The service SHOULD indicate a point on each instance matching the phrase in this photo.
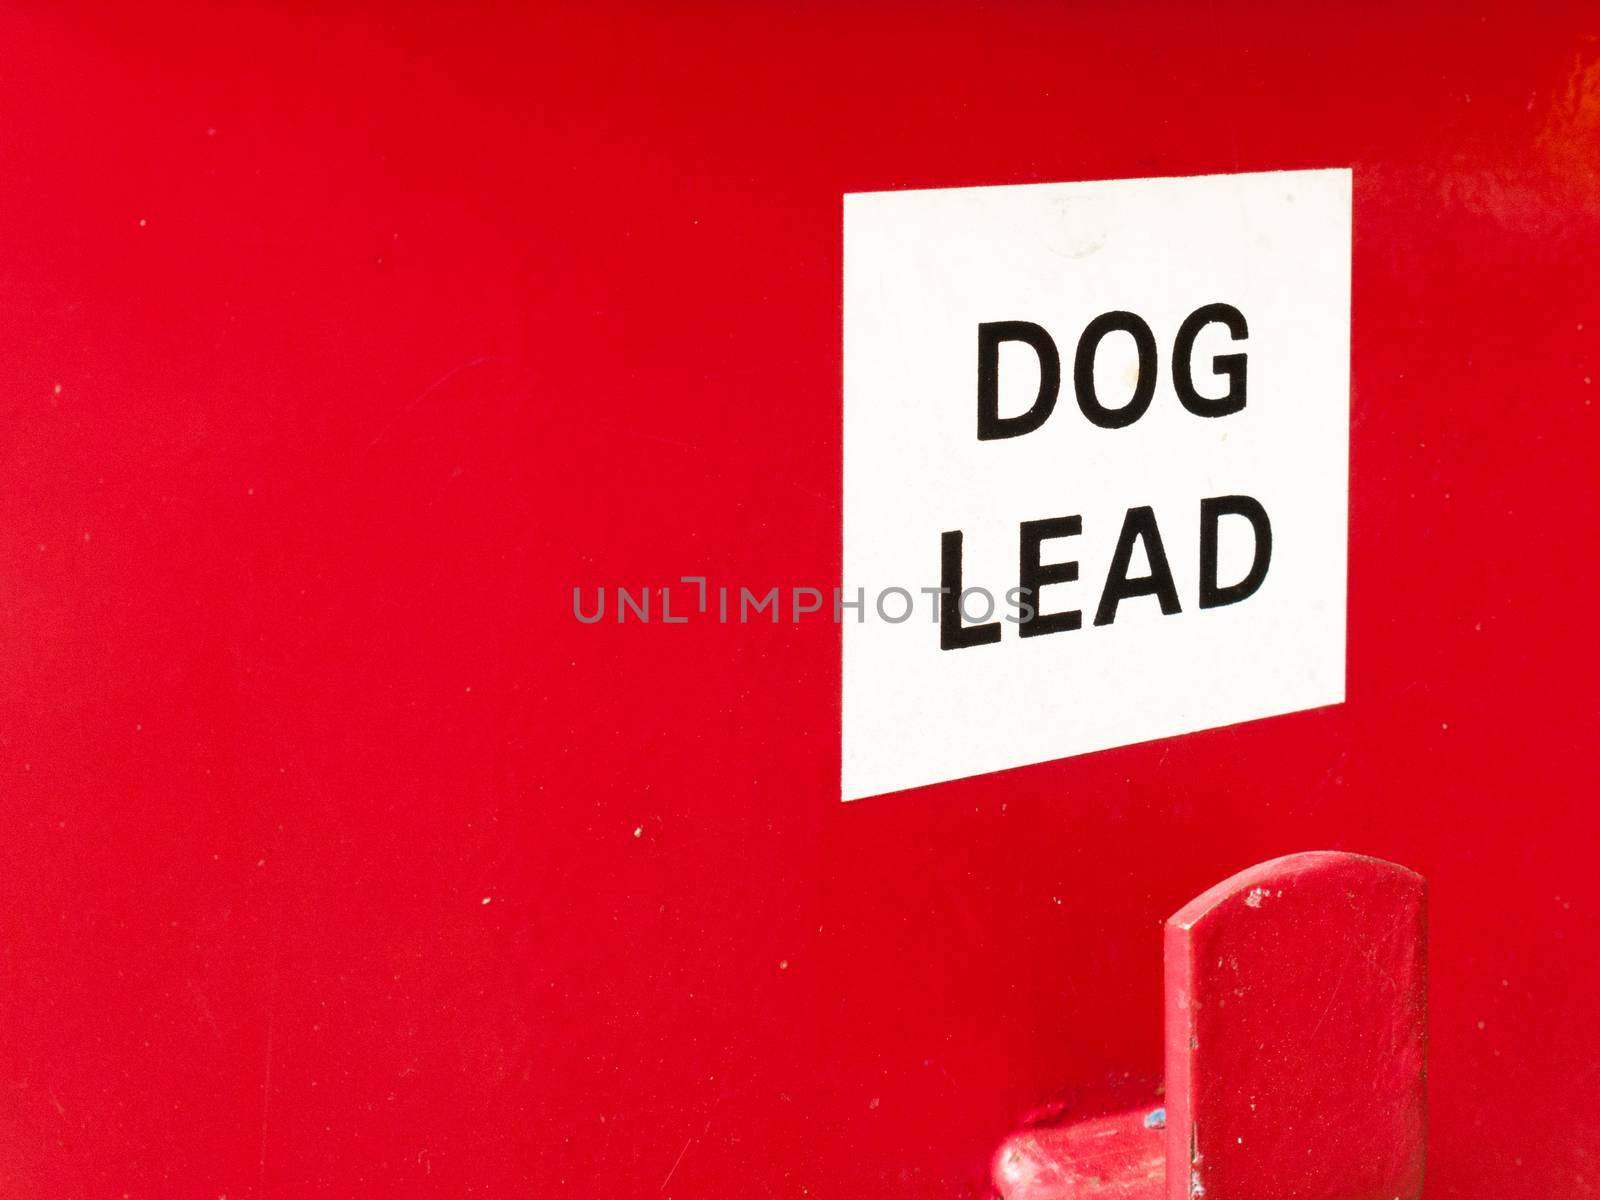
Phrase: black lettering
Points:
(1033, 576)
(1083, 369)
(991, 425)
(1140, 523)
(953, 634)
(1231, 365)
(1211, 513)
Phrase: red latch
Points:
(1296, 1038)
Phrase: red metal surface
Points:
(1121, 1156)
(1296, 1035)
(337, 344)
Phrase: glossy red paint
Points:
(1121, 1156)
(1296, 1044)
(338, 343)
(1296, 1033)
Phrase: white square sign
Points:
(1096, 441)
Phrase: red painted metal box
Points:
(339, 343)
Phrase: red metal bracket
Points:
(1296, 1037)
